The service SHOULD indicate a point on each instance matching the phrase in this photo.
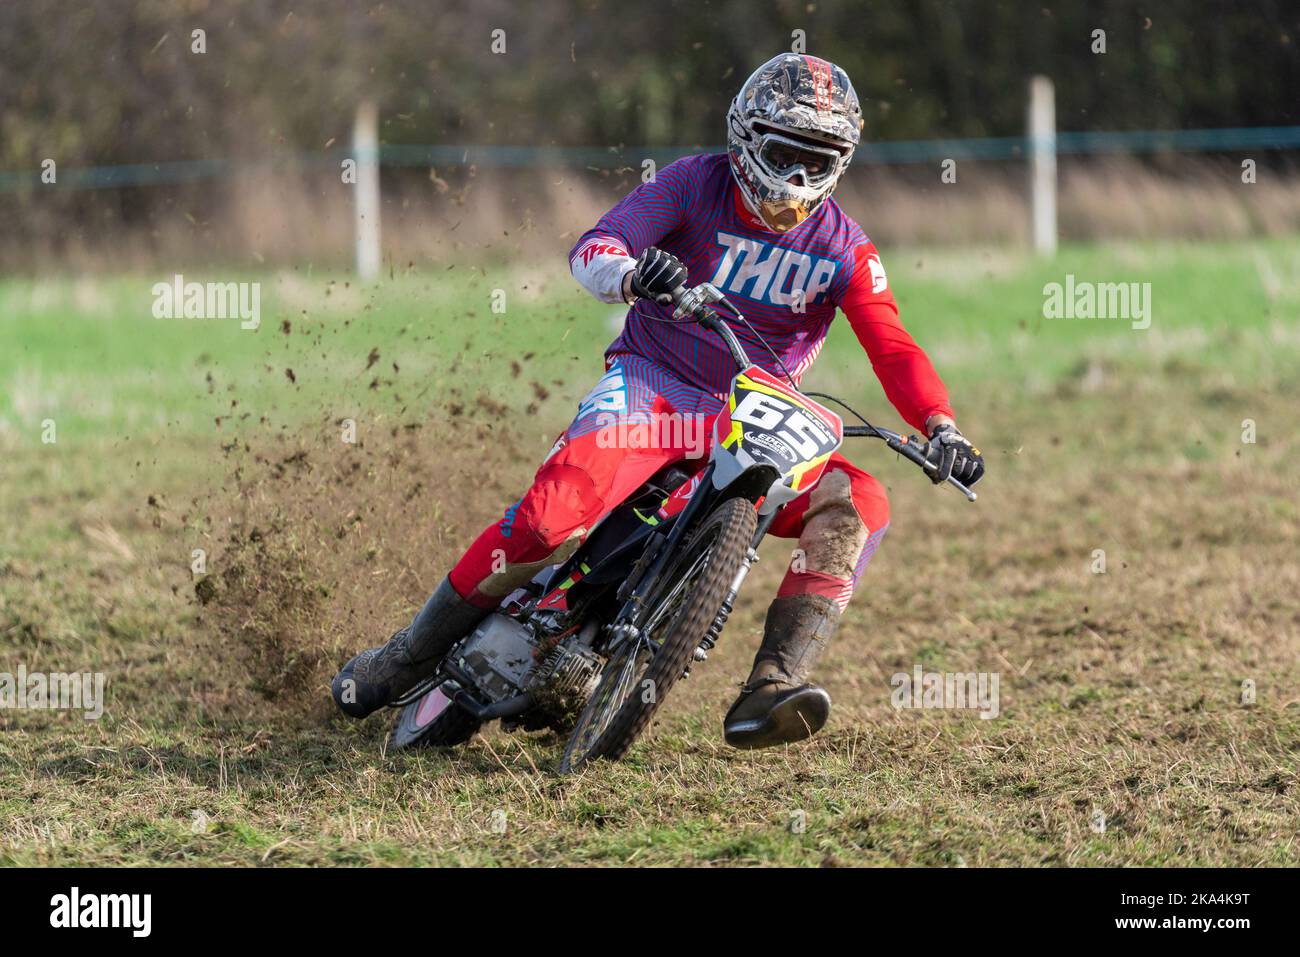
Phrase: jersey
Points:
(788, 286)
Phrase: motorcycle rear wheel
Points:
(449, 727)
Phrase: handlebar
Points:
(909, 447)
(697, 304)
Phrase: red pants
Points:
(586, 476)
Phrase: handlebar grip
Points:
(912, 452)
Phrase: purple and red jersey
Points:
(788, 285)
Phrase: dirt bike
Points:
(592, 645)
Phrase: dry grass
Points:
(1121, 693)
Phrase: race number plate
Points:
(768, 422)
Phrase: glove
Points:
(952, 454)
(656, 275)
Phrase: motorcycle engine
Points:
(502, 658)
(569, 670)
(499, 656)
(563, 681)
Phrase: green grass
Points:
(89, 353)
(1120, 692)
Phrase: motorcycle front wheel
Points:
(642, 669)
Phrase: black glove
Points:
(952, 454)
(656, 275)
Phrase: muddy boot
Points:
(777, 705)
(379, 676)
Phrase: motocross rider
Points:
(757, 221)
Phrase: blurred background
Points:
(504, 127)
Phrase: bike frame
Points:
(753, 481)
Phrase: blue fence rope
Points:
(895, 152)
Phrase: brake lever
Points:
(694, 303)
(909, 448)
(690, 303)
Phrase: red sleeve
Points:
(902, 367)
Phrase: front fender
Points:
(751, 484)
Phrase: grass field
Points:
(1121, 692)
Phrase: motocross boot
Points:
(379, 676)
(778, 705)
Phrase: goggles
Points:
(785, 156)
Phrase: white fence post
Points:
(1042, 163)
(365, 150)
